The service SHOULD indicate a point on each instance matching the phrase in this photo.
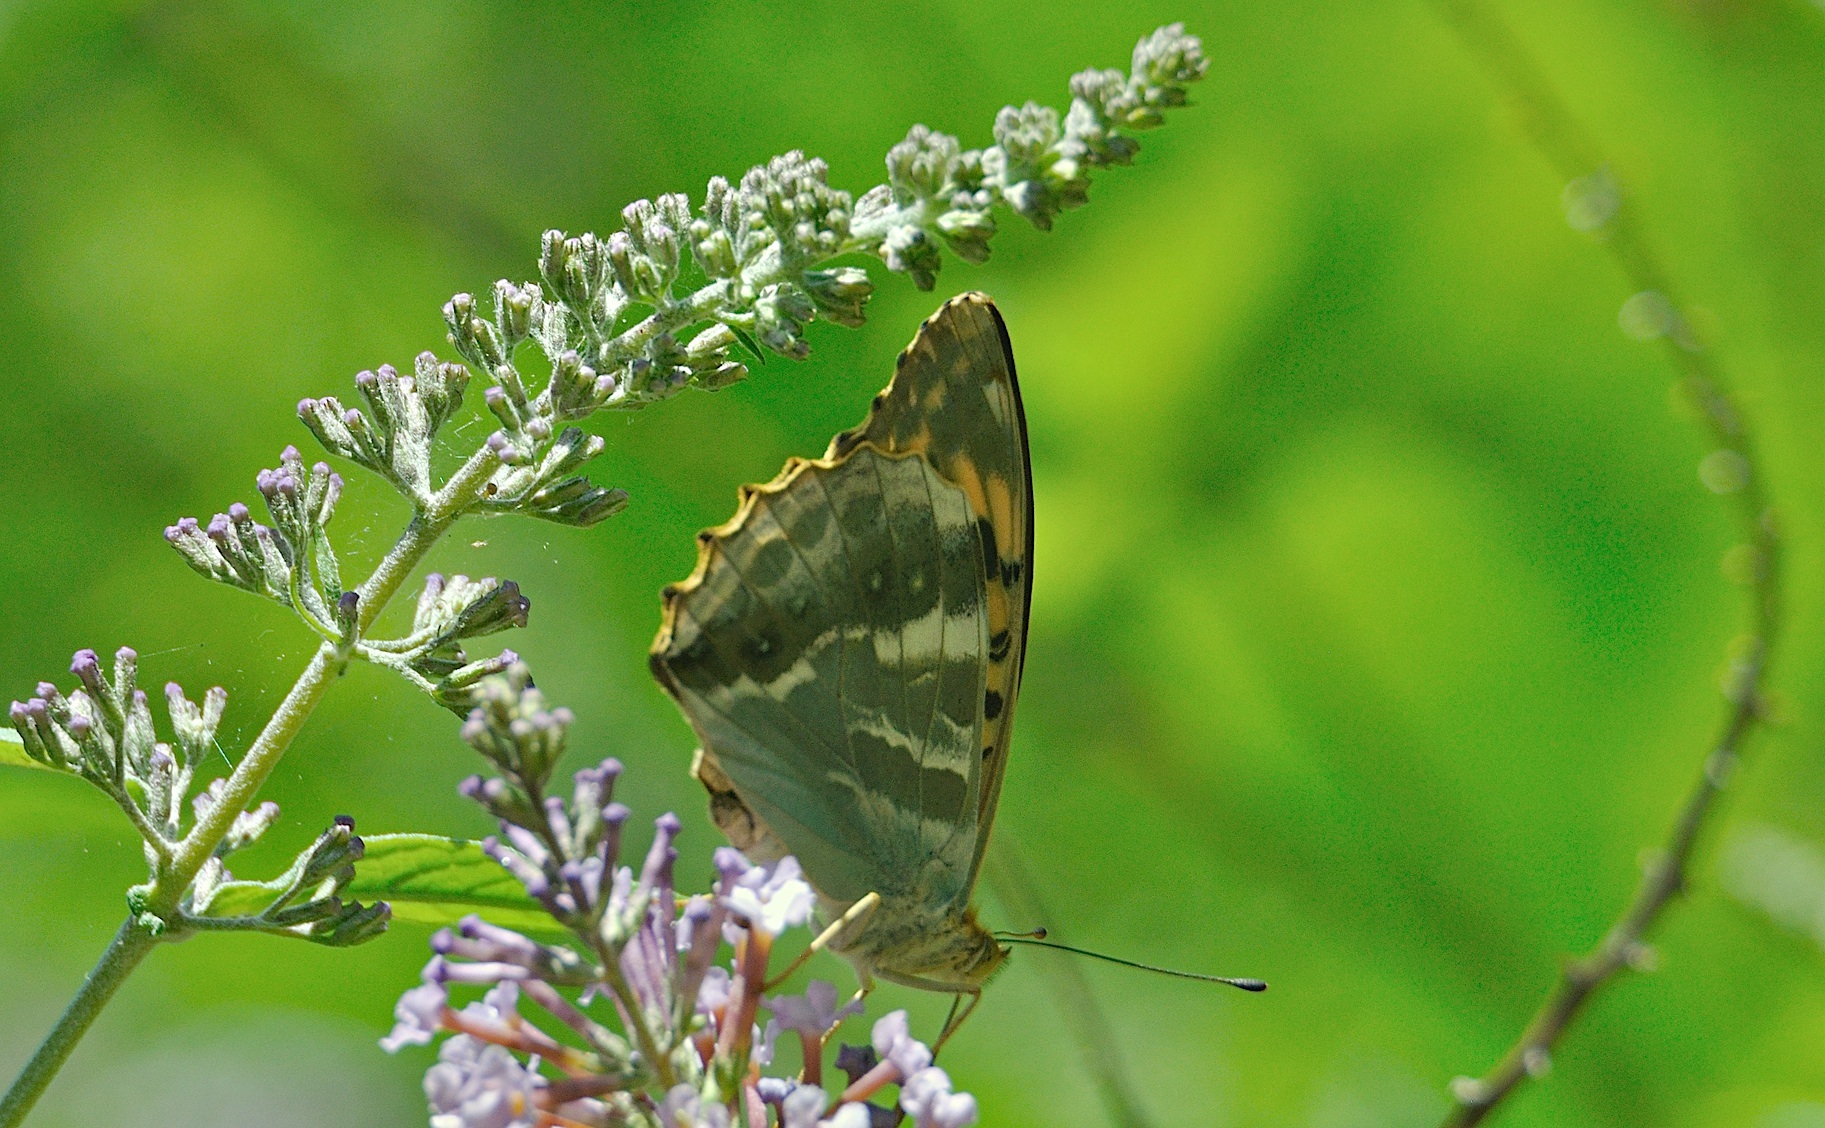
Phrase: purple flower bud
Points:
(348, 604)
(218, 528)
(320, 468)
(172, 534)
(419, 1012)
(470, 788)
(893, 1040)
(18, 713)
(486, 972)
(239, 513)
(388, 372)
(47, 691)
(87, 668)
(366, 380)
(351, 418)
(814, 1013)
(290, 454)
(773, 1090)
(503, 939)
(79, 726)
(856, 1061)
(731, 865)
(926, 1096)
(306, 407)
(287, 485)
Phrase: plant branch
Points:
(177, 869)
(130, 945)
(1556, 133)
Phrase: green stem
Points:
(131, 944)
(244, 783)
(660, 1064)
(175, 873)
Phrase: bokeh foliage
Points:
(1378, 614)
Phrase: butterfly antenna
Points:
(1037, 939)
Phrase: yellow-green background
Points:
(1378, 613)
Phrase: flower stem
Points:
(140, 934)
(130, 945)
(1557, 135)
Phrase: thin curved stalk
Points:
(1556, 133)
(1013, 885)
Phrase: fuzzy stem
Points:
(1556, 133)
(130, 945)
(178, 868)
(660, 1064)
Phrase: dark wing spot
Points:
(998, 646)
(1010, 572)
(991, 705)
(985, 530)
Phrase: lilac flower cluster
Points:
(641, 1018)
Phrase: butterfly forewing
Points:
(955, 402)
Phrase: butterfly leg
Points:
(857, 913)
(959, 1012)
(862, 992)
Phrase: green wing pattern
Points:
(831, 658)
(849, 647)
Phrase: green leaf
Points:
(12, 753)
(430, 879)
(242, 898)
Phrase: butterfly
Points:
(849, 650)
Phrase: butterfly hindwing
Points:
(840, 702)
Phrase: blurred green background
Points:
(1378, 615)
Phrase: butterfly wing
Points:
(954, 400)
(848, 648)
